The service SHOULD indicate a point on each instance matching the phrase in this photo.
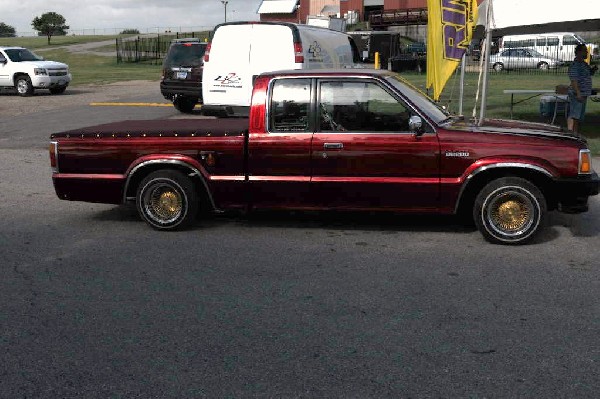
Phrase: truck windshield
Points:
(22, 54)
(420, 100)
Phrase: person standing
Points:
(580, 75)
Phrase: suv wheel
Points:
(24, 86)
(184, 104)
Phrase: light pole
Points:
(225, 4)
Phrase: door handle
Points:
(333, 146)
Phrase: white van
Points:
(240, 51)
(559, 45)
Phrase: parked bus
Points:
(559, 45)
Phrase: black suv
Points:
(182, 73)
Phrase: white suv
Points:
(25, 71)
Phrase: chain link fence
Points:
(151, 49)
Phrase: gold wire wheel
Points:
(511, 213)
(165, 204)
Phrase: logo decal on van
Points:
(229, 80)
(315, 52)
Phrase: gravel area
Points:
(11, 104)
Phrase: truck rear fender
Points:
(482, 172)
(148, 164)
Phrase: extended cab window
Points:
(360, 107)
(290, 102)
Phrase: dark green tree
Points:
(50, 24)
(7, 30)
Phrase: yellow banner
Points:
(449, 31)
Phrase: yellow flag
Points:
(449, 31)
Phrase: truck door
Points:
(5, 79)
(364, 155)
(279, 159)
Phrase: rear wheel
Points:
(185, 104)
(24, 86)
(510, 210)
(167, 200)
(498, 67)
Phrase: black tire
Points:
(58, 90)
(543, 66)
(24, 86)
(167, 200)
(185, 104)
(510, 210)
(498, 67)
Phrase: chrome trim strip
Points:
(495, 166)
(171, 162)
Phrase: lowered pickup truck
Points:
(341, 139)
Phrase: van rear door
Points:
(225, 79)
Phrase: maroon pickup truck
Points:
(343, 139)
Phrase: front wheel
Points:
(24, 86)
(498, 67)
(167, 200)
(543, 66)
(510, 210)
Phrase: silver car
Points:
(522, 58)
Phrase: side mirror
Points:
(415, 124)
(2, 60)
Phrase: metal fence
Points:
(151, 49)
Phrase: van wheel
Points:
(167, 200)
(184, 104)
(510, 210)
(543, 65)
(498, 67)
(24, 86)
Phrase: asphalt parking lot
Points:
(94, 304)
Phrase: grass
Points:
(41, 42)
(97, 69)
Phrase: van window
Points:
(552, 41)
(570, 40)
(360, 107)
(290, 102)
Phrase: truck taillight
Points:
(207, 52)
(298, 53)
(585, 162)
(53, 150)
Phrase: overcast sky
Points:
(108, 16)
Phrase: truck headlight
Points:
(40, 71)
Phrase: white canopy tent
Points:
(507, 17)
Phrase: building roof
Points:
(277, 6)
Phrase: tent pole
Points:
(462, 84)
(486, 67)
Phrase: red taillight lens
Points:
(207, 52)
(53, 150)
(298, 53)
(259, 104)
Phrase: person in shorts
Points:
(580, 74)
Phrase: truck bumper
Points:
(46, 82)
(573, 194)
(106, 189)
